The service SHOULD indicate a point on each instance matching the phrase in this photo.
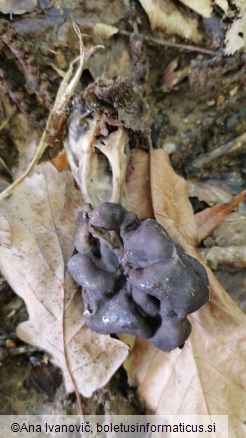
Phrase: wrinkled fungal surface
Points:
(135, 279)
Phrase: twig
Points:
(187, 47)
(77, 394)
(237, 144)
(7, 120)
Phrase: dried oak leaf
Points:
(206, 376)
(40, 215)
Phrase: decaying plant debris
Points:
(146, 91)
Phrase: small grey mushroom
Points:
(135, 279)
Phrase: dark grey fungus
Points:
(135, 279)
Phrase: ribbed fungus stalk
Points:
(135, 279)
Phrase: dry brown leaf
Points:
(138, 184)
(169, 197)
(208, 219)
(40, 215)
(165, 16)
(206, 376)
(60, 161)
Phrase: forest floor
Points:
(195, 104)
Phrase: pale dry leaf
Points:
(206, 220)
(40, 215)
(165, 16)
(206, 375)
(103, 30)
(233, 255)
(201, 7)
(209, 192)
(5, 234)
(236, 36)
(17, 6)
(223, 4)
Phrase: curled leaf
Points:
(97, 163)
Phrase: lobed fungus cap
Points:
(135, 279)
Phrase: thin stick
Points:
(188, 47)
(237, 144)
